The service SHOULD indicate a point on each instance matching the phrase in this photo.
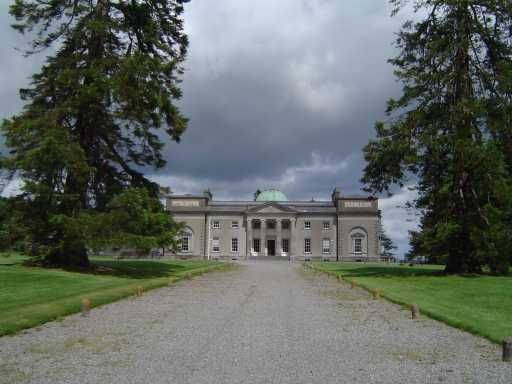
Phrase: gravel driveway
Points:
(267, 322)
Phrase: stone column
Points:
(249, 238)
(293, 240)
(279, 241)
(208, 245)
(263, 240)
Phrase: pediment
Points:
(271, 208)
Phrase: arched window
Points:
(186, 240)
(359, 241)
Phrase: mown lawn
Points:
(30, 296)
(478, 304)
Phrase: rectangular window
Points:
(216, 224)
(256, 245)
(234, 245)
(358, 245)
(285, 225)
(307, 245)
(185, 244)
(256, 224)
(307, 225)
(327, 225)
(234, 224)
(271, 224)
(215, 244)
(286, 245)
(326, 246)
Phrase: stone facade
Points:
(342, 229)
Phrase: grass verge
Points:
(30, 296)
(478, 304)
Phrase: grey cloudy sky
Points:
(279, 93)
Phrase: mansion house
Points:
(345, 228)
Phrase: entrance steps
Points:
(269, 258)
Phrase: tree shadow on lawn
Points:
(406, 271)
(137, 269)
(391, 272)
(134, 269)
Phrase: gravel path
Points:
(268, 322)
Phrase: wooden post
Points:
(140, 290)
(86, 306)
(507, 349)
(376, 293)
(353, 285)
(415, 311)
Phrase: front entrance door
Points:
(271, 246)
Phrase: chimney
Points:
(208, 194)
(336, 194)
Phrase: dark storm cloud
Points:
(15, 68)
(270, 83)
(281, 93)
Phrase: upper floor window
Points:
(285, 224)
(327, 225)
(256, 224)
(234, 224)
(216, 224)
(234, 245)
(307, 225)
(326, 246)
(307, 245)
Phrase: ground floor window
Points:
(307, 245)
(256, 245)
(286, 245)
(215, 244)
(234, 245)
(185, 244)
(358, 245)
(326, 246)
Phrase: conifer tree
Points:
(450, 131)
(97, 111)
(387, 247)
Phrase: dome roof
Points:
(271, 194)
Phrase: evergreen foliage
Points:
(450, 131)
(95, 114)
(387, 247)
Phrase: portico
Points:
(269, 236)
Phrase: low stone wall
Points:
(355, 258)
(314, 258)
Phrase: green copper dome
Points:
(271, 195)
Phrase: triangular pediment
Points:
(271, 208)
